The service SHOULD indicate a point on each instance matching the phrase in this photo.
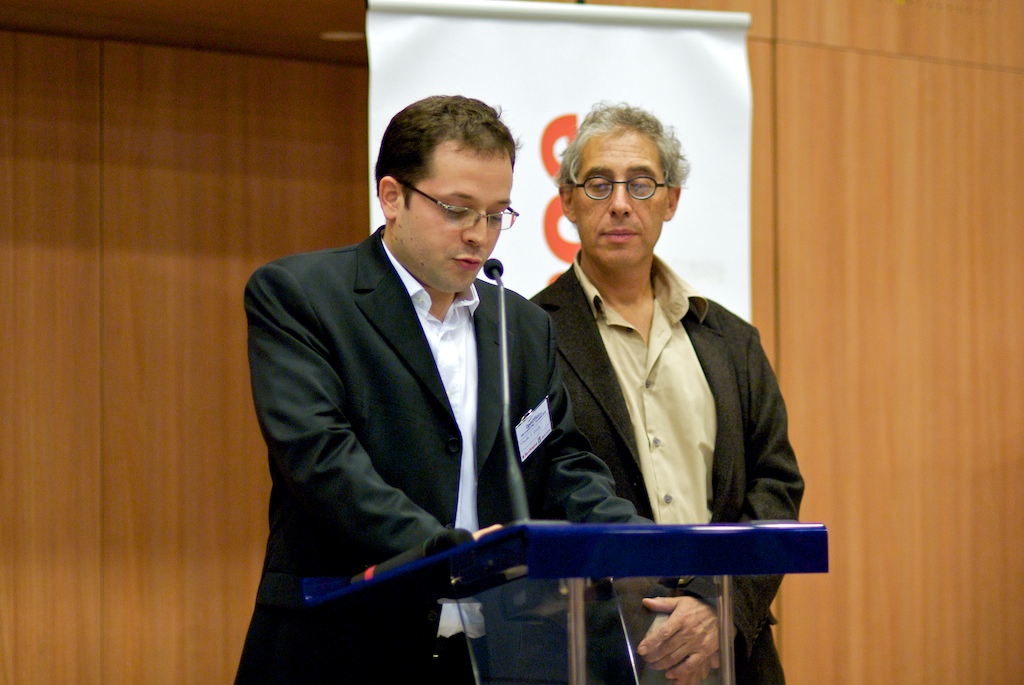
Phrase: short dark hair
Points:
(414, 133)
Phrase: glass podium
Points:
(550, 603)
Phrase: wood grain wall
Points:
(901, 335)
(139, 187)
(50, 356)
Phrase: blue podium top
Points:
(540, 549)
(565, 550)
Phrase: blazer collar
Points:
(715, 360)
(585, 353)
(383, 299)
(488, 358)
(567, 305)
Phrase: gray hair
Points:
(605, 119)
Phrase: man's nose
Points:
(477, 233)
(621, 202)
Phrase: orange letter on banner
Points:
(560, 127)
(562, 248)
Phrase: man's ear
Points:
(568, 209)
(391, 197)
(673, 202)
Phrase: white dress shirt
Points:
(453, 344)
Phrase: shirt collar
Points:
(675, 295)
(421, 298)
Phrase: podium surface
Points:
(535, 584)
(540, 549)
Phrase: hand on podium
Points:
(484, 531)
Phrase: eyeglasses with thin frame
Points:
(464, 217)
(638, 187)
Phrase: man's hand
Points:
(489, 529)
(683, 641)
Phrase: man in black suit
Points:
(375, 374)
(674, 391)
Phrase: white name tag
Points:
(532, 430)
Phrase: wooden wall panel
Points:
(49, 360)
(213, 164)
(760, 11)
(8, 498)
(902, 330)
(255, 27)
(762, 201)
(978, 31)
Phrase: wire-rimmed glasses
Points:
(465, 217)
(638, 187)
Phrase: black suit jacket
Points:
(363, 446)
(754, 471)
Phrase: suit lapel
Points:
(385, 302)
(714, 360)
(586, 354)
(485, 323)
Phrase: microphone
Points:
(516, 489)
(494, 270)
(442, 542)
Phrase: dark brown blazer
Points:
(754, 472)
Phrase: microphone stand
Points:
(517, 490)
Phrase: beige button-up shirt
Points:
(667, 395)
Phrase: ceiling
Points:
(280, 28)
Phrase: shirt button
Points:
(668, 499)
(648, 384)
(454, 445)
(657, 442)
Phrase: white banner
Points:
(544, 65)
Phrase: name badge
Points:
(533, 428)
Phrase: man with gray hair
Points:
(675, 392)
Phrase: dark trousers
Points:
(451, 663)
(332, 647)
